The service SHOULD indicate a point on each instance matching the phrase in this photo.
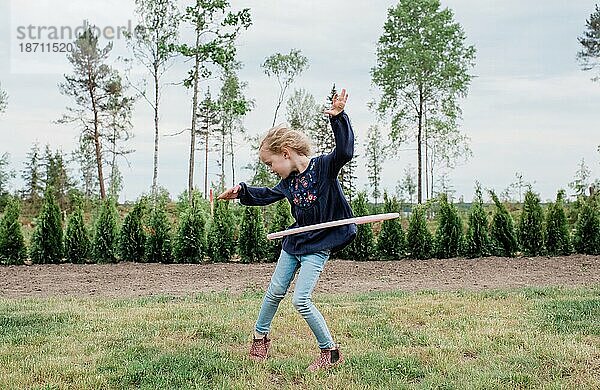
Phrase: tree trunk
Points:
(194, 115)
(156, 97)
(223, 142)
(232, 158)
(426, 154)
(419, 146)
(97, 145)
(206, 158)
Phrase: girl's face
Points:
(279, 163)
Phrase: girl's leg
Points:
(286, 267)
(310, 269)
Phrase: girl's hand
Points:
(338, 104)
(229, 194)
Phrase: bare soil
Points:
(340, 276)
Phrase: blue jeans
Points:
(310, 267)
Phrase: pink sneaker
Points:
(259, 350)
(327, 358)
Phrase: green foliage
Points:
(106, 233)
(530, 229)
(132, 239)
(363, 246)
(158, 240)
(419, 240)
(502, 230)
(77, 241)
(281, 221)
(587, 229)
(391, 240)
(12, 243)
(190, 242)
(449, 235)
(5, 173)
(47, 239)
(477, 241)
(557, 228)
(221, 242)
(589, 56)
(252, 244)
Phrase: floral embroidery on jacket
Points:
(303, 187)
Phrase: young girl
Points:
(312, 188)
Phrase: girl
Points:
(314, 192)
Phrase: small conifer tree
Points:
(587, 229)
(477, 241)
(502, 230)
(47, 238)
(106, 233)
(391, 241)
(221, 242)
(77, 240)
(281, 221)
(132, 238)
(159, 244)
(253, 245)
(449, 235)
(12, 243)
(190, 242)
(531, 226)
(419, 240)
(557, 235)
(363, 246)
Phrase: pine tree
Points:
(531, 230)
(363, 246)
(253, 245)
(477, 242)
(221, 242)
(158, 240)
(190, 243)
(132, 239)
(77, 241)
(557, 228)
(419, 240)
(587, 229)
(391, 241)
(12, 243)
(47, 239)
(502, 230)
(449, 236)
(281, 221)
(32, 176)
(106, 233)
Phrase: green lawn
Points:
(528, 338)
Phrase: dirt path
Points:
(135, 279)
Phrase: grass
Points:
(501, 339)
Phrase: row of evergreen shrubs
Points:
(146, 233)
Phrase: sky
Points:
(530, 108)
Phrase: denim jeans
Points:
(310, 267)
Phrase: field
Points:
(452, 324)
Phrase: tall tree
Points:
(117, 111)
(87, 167)
(3, 100)
(91, 85)
(152, 45)
(589, 56)
(233, 106)
(208, 114)
(215, 30)
(285, 67)
(31, 175)
(320, 132)
(422, 63)
(408, 186)
(57, 175)
(375, 158)
(302, 111)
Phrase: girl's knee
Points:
(301, 302)
(276, 293)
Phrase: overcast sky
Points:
(530, 109)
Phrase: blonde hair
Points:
(282, 136)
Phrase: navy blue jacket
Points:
(315, 195)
